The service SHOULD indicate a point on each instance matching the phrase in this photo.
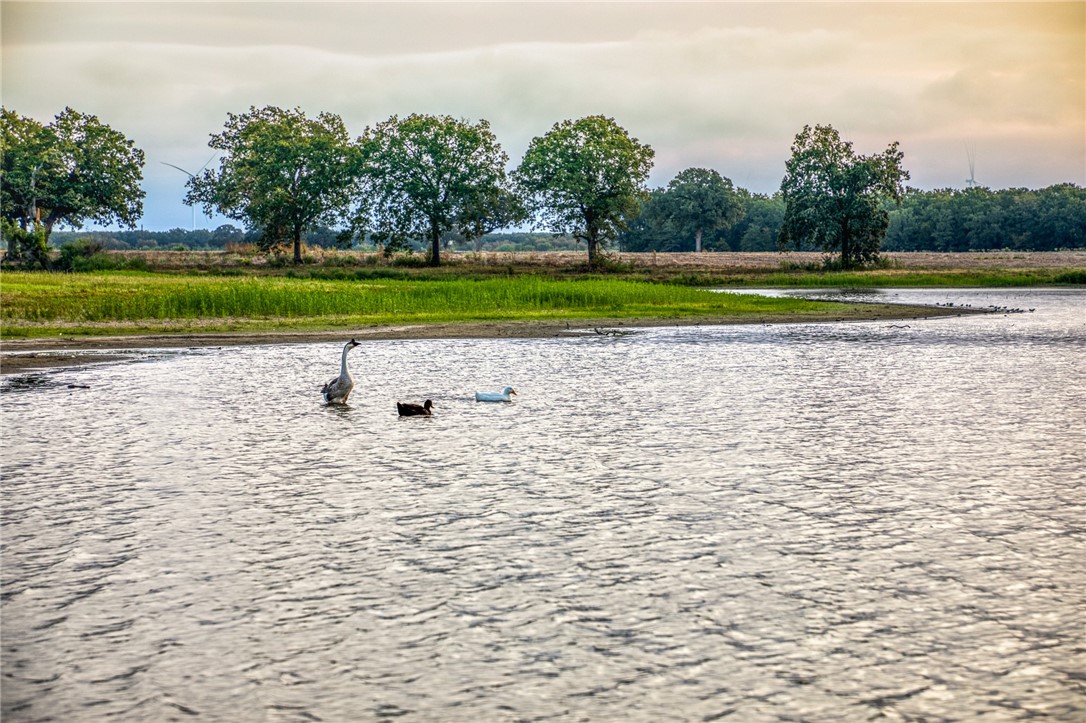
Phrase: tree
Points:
(649, 230)
(585, 178)
(280, 173)
(979, 218)
(761, 222)
(73, 170)
(697, 201)
(425, 176)
(833, 197)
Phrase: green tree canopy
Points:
(699, 201)
(424, 176)
(833, 197)
(585, 178)
(760, 225)
(73, 170)
(979, 218)
(280, 172)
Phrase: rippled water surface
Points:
(796, 522)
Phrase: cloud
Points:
(720, 85)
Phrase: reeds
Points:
(137, 297)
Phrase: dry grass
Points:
(711, 261)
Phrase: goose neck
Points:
(343, 363)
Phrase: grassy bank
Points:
(42, 304)
(218, 292)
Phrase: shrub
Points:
(79, 255)
(409, 260)
(1076, 276)
(27, 248)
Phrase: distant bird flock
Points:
(338, 389)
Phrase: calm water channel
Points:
(755, 523)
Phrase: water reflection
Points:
(801, 521)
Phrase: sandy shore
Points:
(27, 355)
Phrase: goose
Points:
(338, 389)
(502, 396)
(414, 410)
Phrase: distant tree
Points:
(1060, 221)
(280, 173)
(650, 229)
(761, 223)
(833, 197)
(73, 170)
(981, 219)
(585, 178)
(500, 207)
(424, 176)
(699, 201)
(226, 234)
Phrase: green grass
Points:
(34, 304)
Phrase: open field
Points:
(741, 261)
(793, 269)
(918, 260)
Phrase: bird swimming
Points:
(502, 396)
(414, 410)
(338, 389)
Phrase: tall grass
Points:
(27, 297)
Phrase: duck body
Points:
(502, 396)
(338, 389)
(414, 410)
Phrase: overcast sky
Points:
(719, 85)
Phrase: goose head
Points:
(509, 390)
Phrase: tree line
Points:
(426, 179)
(945, 220)
(228, 236)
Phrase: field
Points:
(794, 269)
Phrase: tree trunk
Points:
(697, 241)
(297, 245)
(51, 219)
(435, 245)
(846, 247)
(593, 249)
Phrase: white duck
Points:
(337, 390)
(502, 396)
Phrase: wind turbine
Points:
(193, 176)
(971, 155)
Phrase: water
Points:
(796, 522)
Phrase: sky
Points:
(721, 85)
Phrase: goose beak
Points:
(512, 391)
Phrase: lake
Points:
(813, 522)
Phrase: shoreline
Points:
(19, 356)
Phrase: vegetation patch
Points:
(33, 302)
